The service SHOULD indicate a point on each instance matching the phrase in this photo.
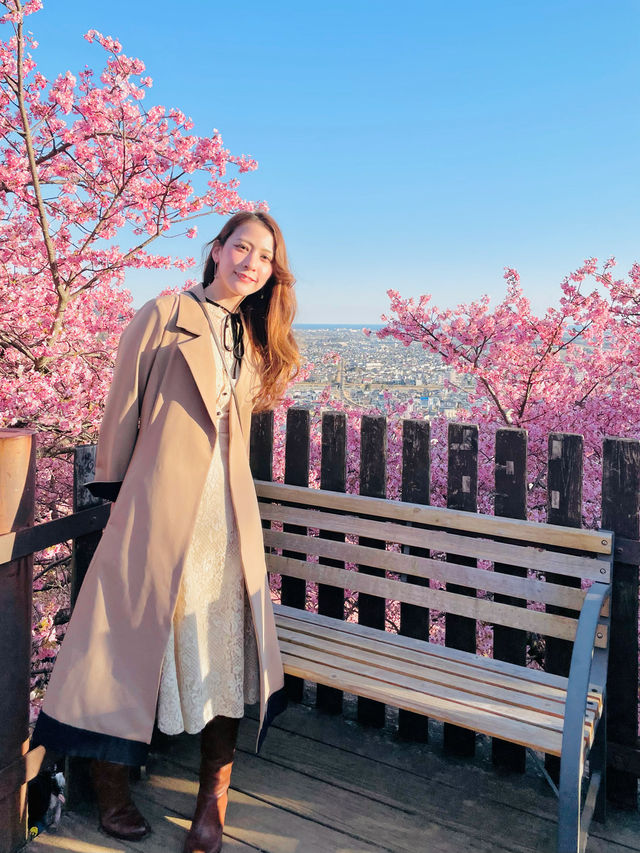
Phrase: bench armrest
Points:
(585, 660)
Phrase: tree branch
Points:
(63, 296)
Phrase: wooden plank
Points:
(273, 805)
(526, 588)
(423, 780)
(261, 445)
(627, 551)
(261, 449)
(287, 615)
(462, 709)
(373, 484)
(78, 833)
(79, 787)
(271, 810)
(333, 476)
(472, 695)
(462, 495)
(510, 472)
(416, 782)
(17, 506)
(22, 769)
(361, 801)
(431, 807)
(84, 546)
(534, 558)
(345, 656)
(289, 824)
(296, 472)
(564, 507)
(414, 621)
(167, 800)
(462, 605)
(22, 543)
(477, 719)
(475, 669)
(590, 541)
(621, 509)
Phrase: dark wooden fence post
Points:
(261, 449)
(333, 476)
(564, 506)
(462, 493)
(17, 503)
(510, 644)
(414, 621)
(84, 465)
(620, 513)
(373, 482)
(79, 786)
(261, 446)
(296, 473)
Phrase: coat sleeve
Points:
(136, 352)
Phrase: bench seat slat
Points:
(502, 673)
(436, 663)
(594, 541)
(467, 716)
(528, 589)
(446, 653)
(422, 677)
(445, 710)
(549, 624)
(501, 713)
(468, 679)
(536, 558)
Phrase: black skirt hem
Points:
(71, 740)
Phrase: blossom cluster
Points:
(90, 178)
(571, 370)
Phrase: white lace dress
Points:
(211, 661)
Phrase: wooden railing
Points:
(19, 540)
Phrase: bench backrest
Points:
(402, 539)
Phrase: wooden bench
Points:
(543, 712)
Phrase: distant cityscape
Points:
(365, 367)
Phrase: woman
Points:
(175, 614)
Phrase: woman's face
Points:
(245, 262)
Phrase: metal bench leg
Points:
(598, 764)
(573, 823)
(572, 838)
(569, 799)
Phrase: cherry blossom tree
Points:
(83, 166)
(90, 179)
(572, 369)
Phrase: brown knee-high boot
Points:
(217, 747)
(119, 816)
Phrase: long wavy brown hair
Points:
(267, 314)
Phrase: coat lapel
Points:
(198, 353)
(198, 350)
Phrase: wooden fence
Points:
(19, 540)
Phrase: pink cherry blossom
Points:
(89, 180)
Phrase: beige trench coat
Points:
(157, 437)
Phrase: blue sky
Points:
(421, 146)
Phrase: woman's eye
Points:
(242, 246)
(266, 258)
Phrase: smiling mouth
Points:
(246, 278)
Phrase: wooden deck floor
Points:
(325, 785)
